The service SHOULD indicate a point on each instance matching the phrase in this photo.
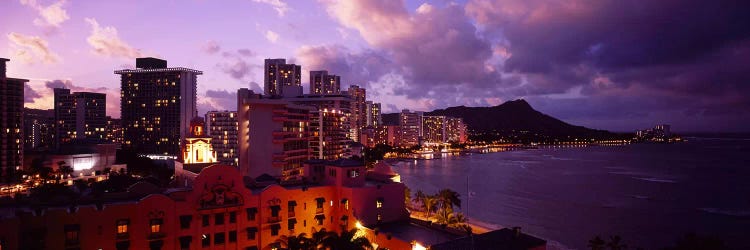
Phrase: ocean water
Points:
(649, 194)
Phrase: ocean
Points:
(648, 194)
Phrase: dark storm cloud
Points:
(358, 68)
(607, 60)
(29, 94)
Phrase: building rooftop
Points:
(408, 231)
(177, 69)
(503, 239)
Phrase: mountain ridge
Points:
(511, 117)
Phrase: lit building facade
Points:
(273, 135)
(38, 128)
(358, 118)
(410, 128)
(329, 125)
(157, 104)
(221, 126)
(321, 83)
(278, 77)
(11, 124)
(433, 129)
(373, 114)
(219, 211)
(79, 115)
(114, 130)
(455, 130)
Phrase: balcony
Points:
(274, 219)
(319, 210)
(290, 214)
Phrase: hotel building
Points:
(220, 211)
(221, 126)
(38, 128)
(273, 135)
(321, 83)
(373, 114)
(280, 77)
(455, 130)
(11, 124)
(329, 125)
(79, 115)
(157, 104)
(358, 118)
(433, 129)
(410, 128)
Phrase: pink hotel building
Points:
(222, 210)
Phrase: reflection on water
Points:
(650, 194)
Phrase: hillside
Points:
(511, 117)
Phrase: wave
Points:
(656, 180)
(734, 213)
(641, 197)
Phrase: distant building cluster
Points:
(659, 133)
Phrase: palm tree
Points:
(448, 198)
(65, 170)
(445, 216)
(298, 242)
(615, 243)
(347, 240)
(418, 196)
(429, 203)
(596, 243)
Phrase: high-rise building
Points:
(38, 128)
(114, 130)
(455, 130)
(79, 115)
(359, 110)
(11, 124)
(157, 106)
(273, 135)
(433, 129)
(280, 77)
(373, 114)
(321, 83)
(221, 126)
(410, 124)
(329, 124)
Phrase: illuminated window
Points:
(156, 225)
(379, 203)
(122, 227)
(71, 234)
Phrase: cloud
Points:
(211, 47)
(280, 6)
(237, 64)
(31, 49)
(29, 94)
(359, 68)
(433, 47)
(217, 100)
(272, 36)
(52, 15)
(106, 42)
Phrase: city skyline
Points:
(614, 75)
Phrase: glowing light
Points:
(418, 246)
(358, 225)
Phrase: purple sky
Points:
(617, 65)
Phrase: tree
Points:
(295, 242)
(346, 240)
(596, 243)
(419, 196)
(65, 170)
(429, 203)
(448, 198)
(615, 243)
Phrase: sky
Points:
(605, 64)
